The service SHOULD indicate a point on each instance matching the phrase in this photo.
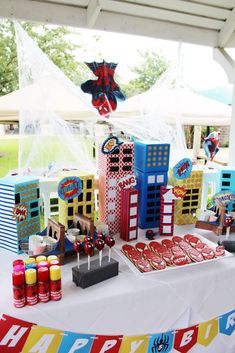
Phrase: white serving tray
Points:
(118, 250)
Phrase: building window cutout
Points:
(127, 159)
(34, 205)
(114, 169)
(88, 196)
(70, 211)
(114, 160)
(126, 167)
(151, 179)
(88, 208)
(34, 214)
(89, 184)
(80, 197)
(17, 198)
(80, 209)
(134, 198)
(160, 178)
(127, 150)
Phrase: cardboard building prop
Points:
(19, 210)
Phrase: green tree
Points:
(151, 67)
(53, 40)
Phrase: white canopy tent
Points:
(192, 108)
(60, 100)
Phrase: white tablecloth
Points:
(130, 304)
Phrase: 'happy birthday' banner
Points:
(22, 336)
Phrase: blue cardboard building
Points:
(151, 163)
(19, 210)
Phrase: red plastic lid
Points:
(18, 278)
(18, 262)
(43, 274)
(17, 268)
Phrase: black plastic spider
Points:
(160, 344)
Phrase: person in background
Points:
(211, 144)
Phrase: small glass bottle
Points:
(31, 286)
(18, 281)
(55, 283)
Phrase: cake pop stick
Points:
(110, 241)
(99, 245)
(88, 247)
(77, 247)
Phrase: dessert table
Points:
(133, 305)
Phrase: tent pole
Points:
(196, 141)
(227, 63)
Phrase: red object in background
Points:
(43, 285)
(18, 279)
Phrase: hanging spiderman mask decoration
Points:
(105, 91)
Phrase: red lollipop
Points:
(77, 247)
(228, 221)
(101, 236)
(87, 239)
(88, 248)
(99, 244)
(110, 241)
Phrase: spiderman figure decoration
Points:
(105, 91)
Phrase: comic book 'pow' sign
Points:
(105, 91)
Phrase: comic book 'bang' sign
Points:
(69, 188)
(105, 91)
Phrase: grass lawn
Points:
(8, 154)
(50, 149)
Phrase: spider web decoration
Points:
(48, 143)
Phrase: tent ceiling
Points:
(205, 22)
